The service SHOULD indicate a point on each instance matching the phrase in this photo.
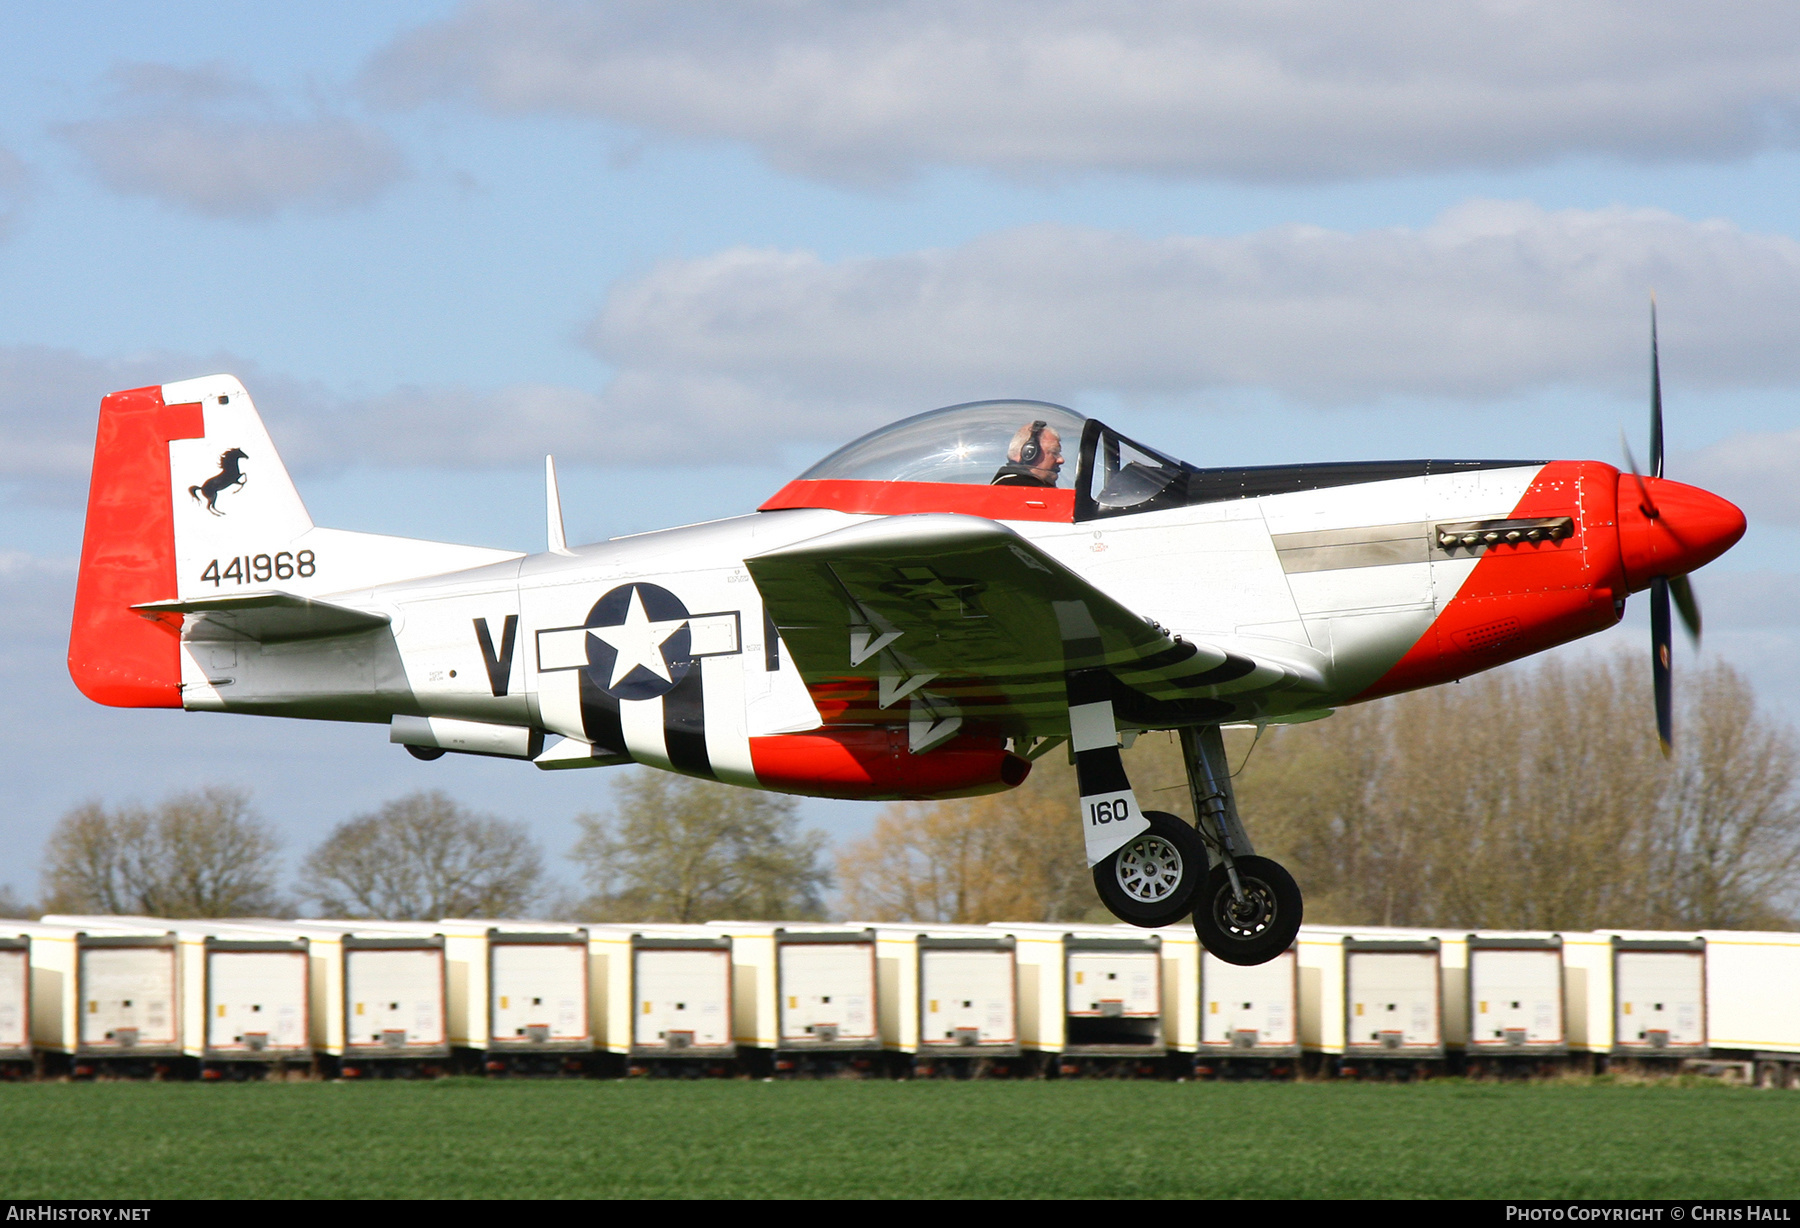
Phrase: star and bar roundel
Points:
(638, 642)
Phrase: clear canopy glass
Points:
(1030, 443)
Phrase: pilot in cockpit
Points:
(1034, 458)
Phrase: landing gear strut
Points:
(1146, 865)
(1249, 908)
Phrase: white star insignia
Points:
(638, 641)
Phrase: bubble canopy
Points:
(972, 444)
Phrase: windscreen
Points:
(1120, 476)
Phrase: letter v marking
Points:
(499, 667)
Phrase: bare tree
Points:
(1727, 847)
(199, 854)
(1535, 798)
(685, 850)
(423, 857)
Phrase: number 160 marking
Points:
(1112, 810)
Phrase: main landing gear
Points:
(1249, 909)
(1246, 909)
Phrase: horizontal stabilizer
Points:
(270, 616)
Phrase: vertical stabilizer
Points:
(184, 478)
(189, 502)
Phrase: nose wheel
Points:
(1253, 924)
(1151, 881)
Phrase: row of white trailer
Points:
(96, 988)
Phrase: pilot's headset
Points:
(1032, 450)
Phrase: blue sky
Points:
(692, 248)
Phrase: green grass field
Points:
(834, 1139)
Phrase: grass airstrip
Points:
(470, 1138)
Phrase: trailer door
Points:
(1250, 1007)
(682, 998)
(256, 1001)
(128, 997)
(827, 991)
(539, 991)
(1394, 999)
(1662, 999)
(967, 998)
(1517, 997)
(15, 985)
(1126, 984)
(396, 997)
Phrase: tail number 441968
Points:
(261, 568)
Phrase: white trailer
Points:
(1090, 991)
(375, 994)
(105, 990)
(1326, 1009)
(15, 995)
(1250, 1012)
(1753, 1001)
(1753, 991)
(512, 986)
(948, 991)
(1514, 996)
(662, 991)
(255, 998)
(802, 991)
(1393, 999)
(1588, 992)
(1659, 992)
(243, 997)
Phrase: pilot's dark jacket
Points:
(1019, 475)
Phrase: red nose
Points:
(1669, 528)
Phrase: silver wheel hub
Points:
(1149, 869)
(1249, 916)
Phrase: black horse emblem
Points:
(229, 477)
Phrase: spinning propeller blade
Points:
(1656, 423)
(1660, 671)
(1687, 606)
(1662, 588)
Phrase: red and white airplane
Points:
(919, 615)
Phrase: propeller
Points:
(1662, 588)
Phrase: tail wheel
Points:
(1257, 927)
(1151, 881)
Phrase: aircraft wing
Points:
(269, 615)
(967, 617)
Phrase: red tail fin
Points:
(117, 656)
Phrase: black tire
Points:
(1258, 932)
(1151, 881)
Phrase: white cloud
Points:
(204, 140)
(1757, 470)
(1492, 299)
(739, 353)
(50, 402)
(1269, 90)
